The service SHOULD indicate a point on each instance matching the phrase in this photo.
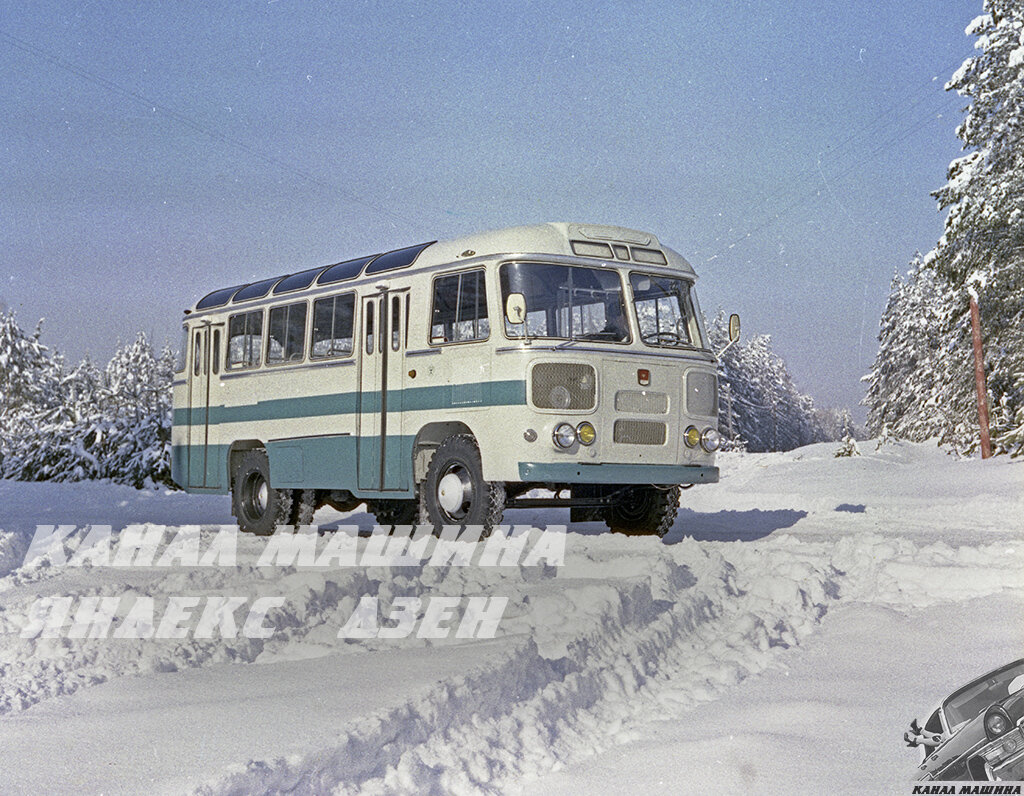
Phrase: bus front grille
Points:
(641, 402)
(702, 393)
(559, 385)
(639, 432)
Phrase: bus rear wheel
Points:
(643, 510)
(454, 491)
(258, 506)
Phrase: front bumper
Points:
(582, 473)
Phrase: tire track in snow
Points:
(703, 619)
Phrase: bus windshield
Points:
(566, 302)
(665, 311)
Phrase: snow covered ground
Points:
(779, 639)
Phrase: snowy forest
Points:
(60, 424)
(69, 424)
(922, 383)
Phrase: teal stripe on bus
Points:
(412, 399)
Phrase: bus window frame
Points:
(215, 351)
(242, 366)
(621, 270)
(694, 308)
(287, 307)
(480, 269)
(355, 326)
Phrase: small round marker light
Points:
(691, 437)
(586, 433)
(564, 435)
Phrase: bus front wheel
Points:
(258, 506)
(643, 510)
(454, 491)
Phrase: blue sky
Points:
(152, 152)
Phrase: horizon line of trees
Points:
(70, 424)
(760, 407)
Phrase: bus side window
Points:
(216, 351)
(396, 317)
(332, 326)
(286, 337)
(369, 327)
(459, 309)
(245, 338)
(382, 329)
(197, 355)
(180, 362)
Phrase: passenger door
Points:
(198, 406)
(381, 379)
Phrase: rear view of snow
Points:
(782, 636)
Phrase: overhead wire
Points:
(806, 184)
(189, 122)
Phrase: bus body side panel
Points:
(329, 462)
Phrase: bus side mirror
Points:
(734, 332)
(515, 308)
(734, 328)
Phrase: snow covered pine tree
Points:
(60, 426)
(982, 247)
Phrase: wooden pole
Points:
(979, 379)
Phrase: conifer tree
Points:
(922, 383)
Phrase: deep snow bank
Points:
(626, 632)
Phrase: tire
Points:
(303, 507)
(454, 491)
(643, 511)
(395, 512)
(258, 507)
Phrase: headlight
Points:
(564, 435)
(585, 433)
(691, 437)
(711, 440)
(996, 723)
(560, 397)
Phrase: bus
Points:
(551, 365)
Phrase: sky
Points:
(153, 152)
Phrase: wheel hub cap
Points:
(262, 497)
(452, 492)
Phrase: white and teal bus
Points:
(443, 383)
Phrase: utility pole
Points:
(979, 376)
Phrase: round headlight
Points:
(564, 435)
(711, 440)
(586, 433)
(691, 437)
(560, 397)
(996, 724)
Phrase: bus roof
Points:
(614, 245)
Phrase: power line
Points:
(805, 184)
(190, 123)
